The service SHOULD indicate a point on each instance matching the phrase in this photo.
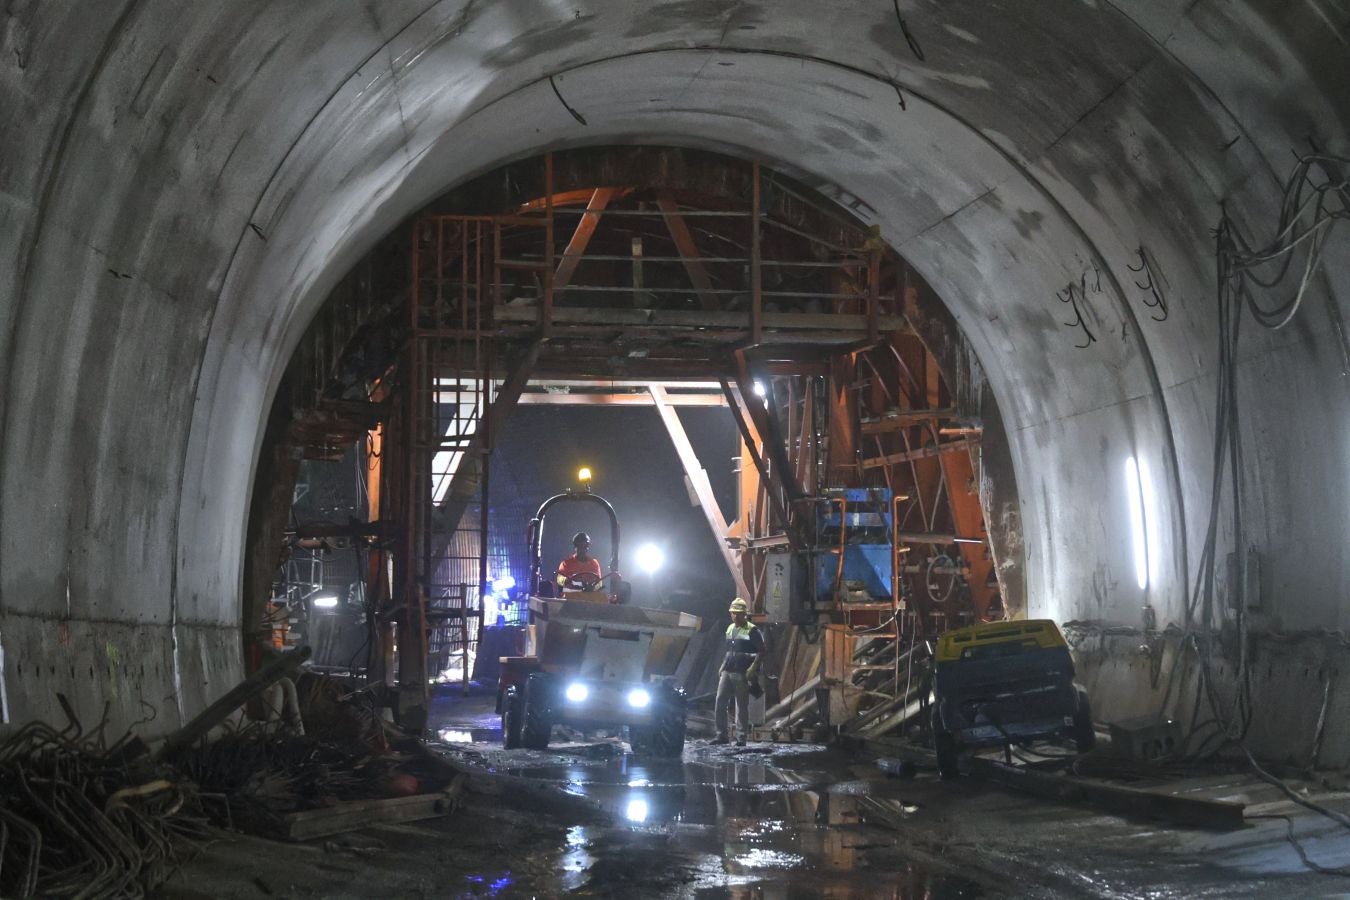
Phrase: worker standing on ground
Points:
(581, 569)
(745, 644)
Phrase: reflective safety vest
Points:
(744, 643)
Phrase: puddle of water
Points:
(576, 859)
(756, 823)
(457, 735)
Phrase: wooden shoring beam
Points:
(688, 250)
(931, 450)
(694, 471)
(581, 237)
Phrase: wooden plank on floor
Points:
(356, 814)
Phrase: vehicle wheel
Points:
(944, 745)
(513, 718)
(640, 739)
(667, 735)
(535, 726)
(1084, 736)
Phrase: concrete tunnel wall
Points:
(181, 185)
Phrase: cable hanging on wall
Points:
(1309, 212)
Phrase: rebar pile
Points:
(82, 819)
(252, 778)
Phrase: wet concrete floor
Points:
(588, 818)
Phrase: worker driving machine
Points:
(592, 660)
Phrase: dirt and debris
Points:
(81, 817)
(253, 780)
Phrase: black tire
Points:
(667, 735)
(1084, 735)
(948, 753)
(535, 725)
(513, 718)
(639, 738)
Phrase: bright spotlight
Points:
(325, 601)
(639, 698)
(503, 584)
(583, 474)
(758, 388)
(650, 558)
(636, 811)
(578, 692)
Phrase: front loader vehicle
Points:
(593, 661)
(1005, 683)
(598, 665)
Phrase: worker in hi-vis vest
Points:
(745, 644)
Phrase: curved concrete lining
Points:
(188, 184)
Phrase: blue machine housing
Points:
(867, 523)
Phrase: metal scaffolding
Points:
(801, 322)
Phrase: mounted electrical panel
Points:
(787, 593)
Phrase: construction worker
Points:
(581, 569)
(745, 645)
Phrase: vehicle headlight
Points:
(639, 698)
(577, 692)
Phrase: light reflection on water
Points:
(727, 826)
(760, 858)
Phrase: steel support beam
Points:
(694, 471)
(620, 400)
(581, 237)
(766, 422)
(689, 255)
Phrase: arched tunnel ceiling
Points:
(181, 184)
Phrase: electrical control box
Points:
(1147, 738)
(787, 588)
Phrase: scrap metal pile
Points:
(82, 818)
(256, 779)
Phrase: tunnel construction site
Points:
(420, 416)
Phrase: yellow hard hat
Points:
(739, 606)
